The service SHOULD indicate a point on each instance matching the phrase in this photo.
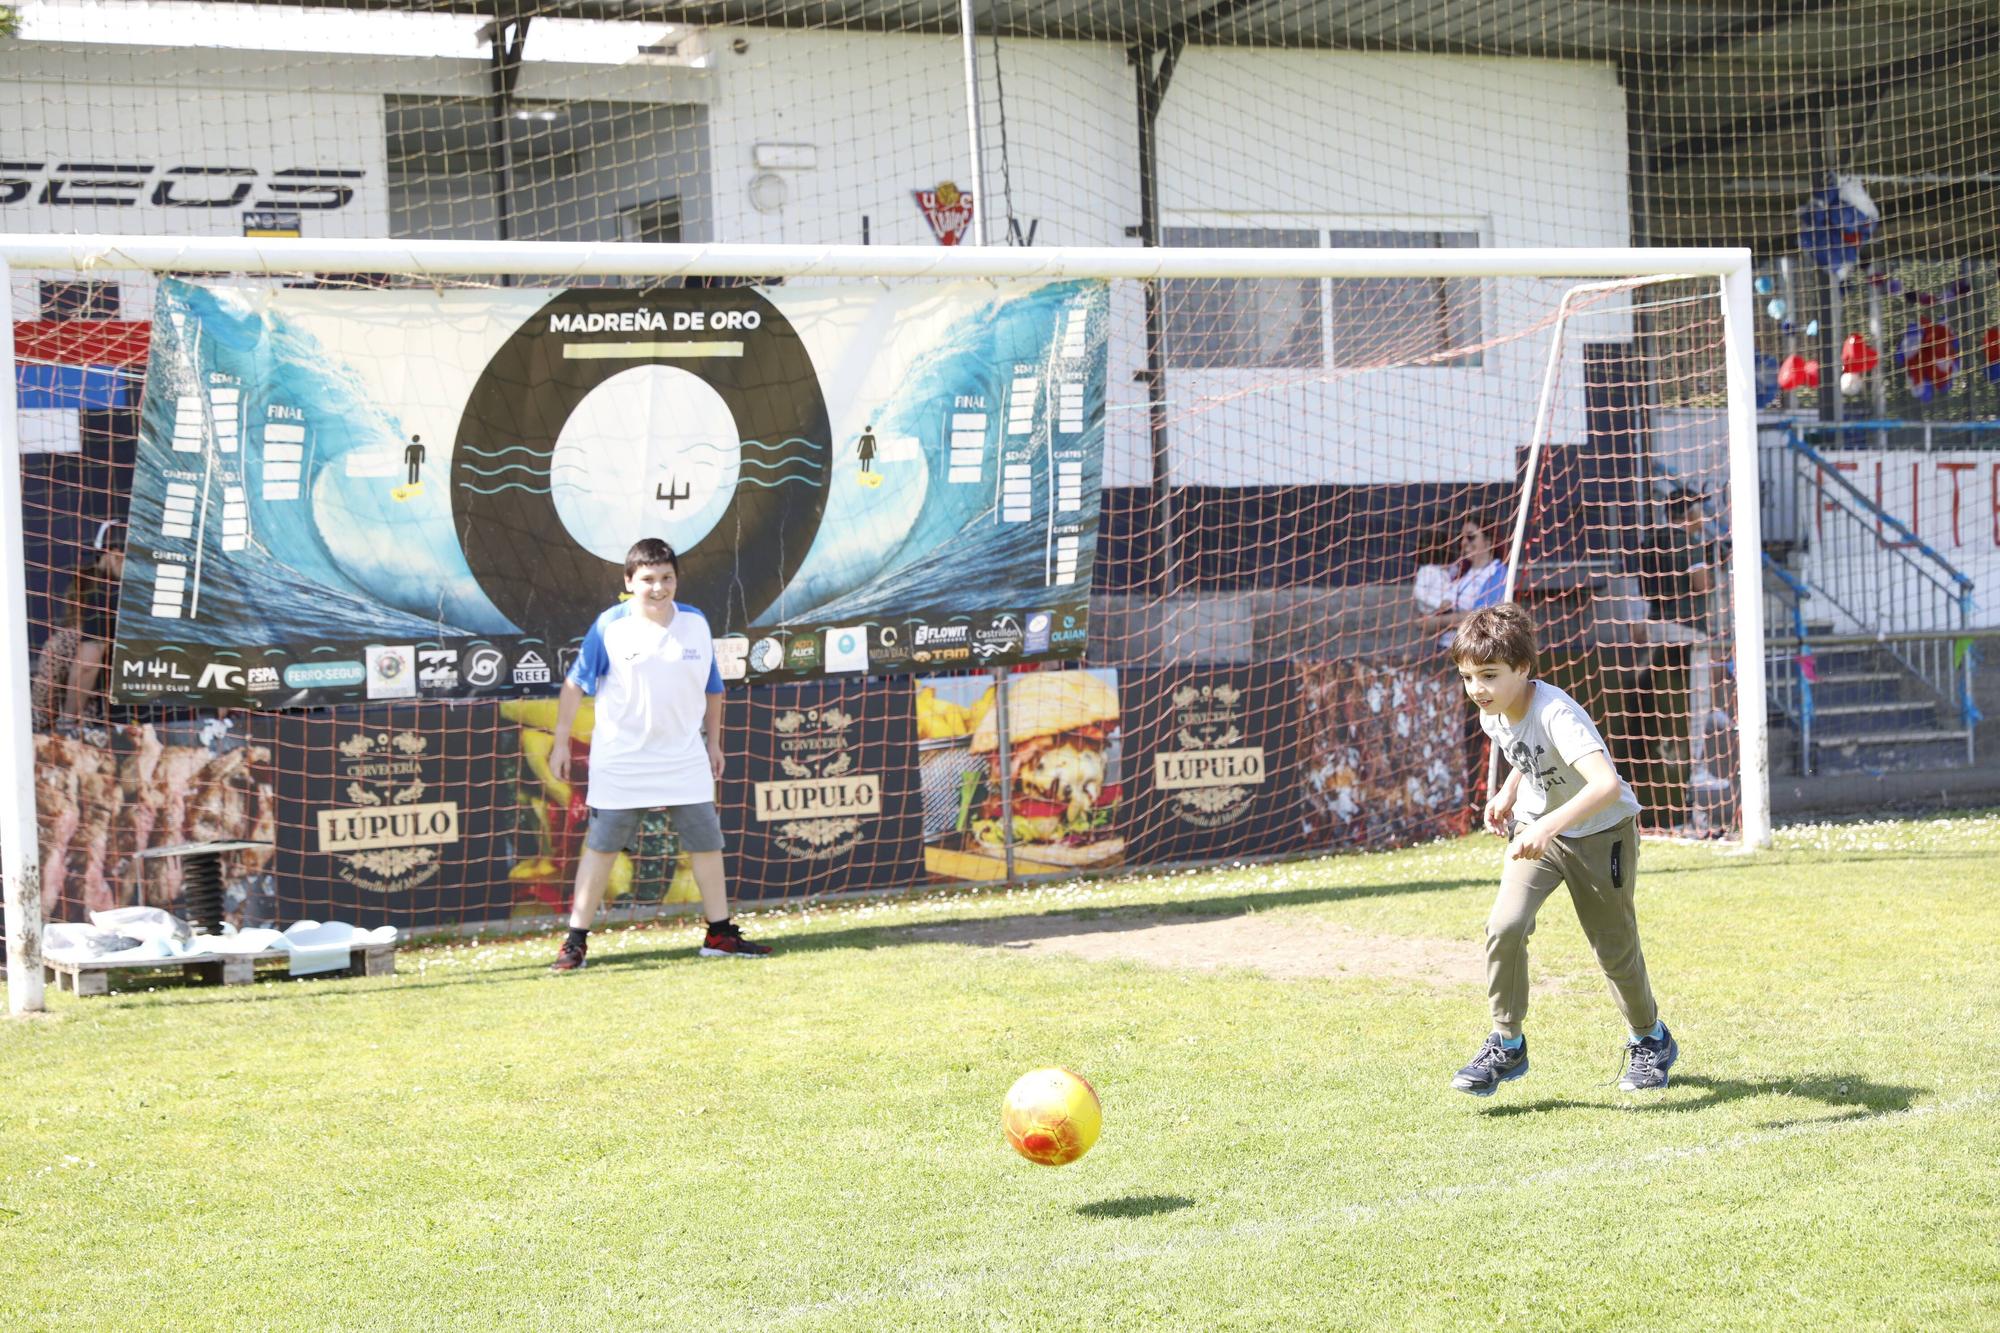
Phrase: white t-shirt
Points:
(1544, 750)
(651, 685)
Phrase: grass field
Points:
(812, 1142)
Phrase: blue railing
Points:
(1903, 592)
(1796, 702)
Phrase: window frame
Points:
(1326, 224)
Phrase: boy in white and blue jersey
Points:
(656, 744)
(1569, 819)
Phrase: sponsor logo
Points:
(531, 668)
(767, 654)
(370, 829)
(832, 797)
(1037, 634)
(261, 680)
(889, 648)
(1002, 635)
(482, 666)
(152, 675)
(392, 672)
(1070, 628)
(732, 656)
(934, 636)
(1211, 774)
(324, 675)
(1189, 769)
(818, 807)
(802, 652)
(437, 668)
(566, 660)
(940, 655)
(224, 677)
(387, 841)
(847, 648)
(195, 188)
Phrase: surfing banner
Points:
(350, 495)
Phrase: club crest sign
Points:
(948, 209)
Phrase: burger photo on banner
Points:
(1063, 777)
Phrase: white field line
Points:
(910, 1283)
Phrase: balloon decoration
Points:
(1796, 372)
(1857, 358)
(1992, 346)
(1835, 222)
(1928, 355)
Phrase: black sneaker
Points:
(726, 941)
(1494, 1065)
(569, 958)
(1647, 1062)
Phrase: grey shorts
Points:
(617, 830)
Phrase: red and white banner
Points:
(1949, 500)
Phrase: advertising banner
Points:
(390, 815)
(1211, 763)
(827, 799)
(350, 495)
(1064, 774)
(1386, 755)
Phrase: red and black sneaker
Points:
(724, 940)
(570, 957)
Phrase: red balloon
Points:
(1993, 347)
(1857, 357)
(1795, 372)
(1934, 360)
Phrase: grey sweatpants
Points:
(1600, 869)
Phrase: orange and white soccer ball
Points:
(1051, 1116)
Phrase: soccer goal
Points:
(296, 562)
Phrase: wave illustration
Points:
(477, 452)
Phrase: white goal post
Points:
(1728, 268)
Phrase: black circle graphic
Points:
(523, 557)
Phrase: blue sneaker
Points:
(1647, 1062)
(1494, 1065)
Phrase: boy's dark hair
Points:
(651, 551)
(1502, 633)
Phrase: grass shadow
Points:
(1856, 1096)
(1136, 1205)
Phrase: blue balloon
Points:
(1832, 231)
(1763, 284)
(1777, 308)
(1768, 394)
(1812, 328)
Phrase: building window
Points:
(63, 300)
(1234, 323)
(1307, 324)
(1386, 321)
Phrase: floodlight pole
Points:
(20, 847)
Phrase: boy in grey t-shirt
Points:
(1569, 819)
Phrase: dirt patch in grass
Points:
(1278, 945)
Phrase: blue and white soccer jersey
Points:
(651, 685)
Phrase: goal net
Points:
(1025, 568)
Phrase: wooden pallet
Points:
(93, 977)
